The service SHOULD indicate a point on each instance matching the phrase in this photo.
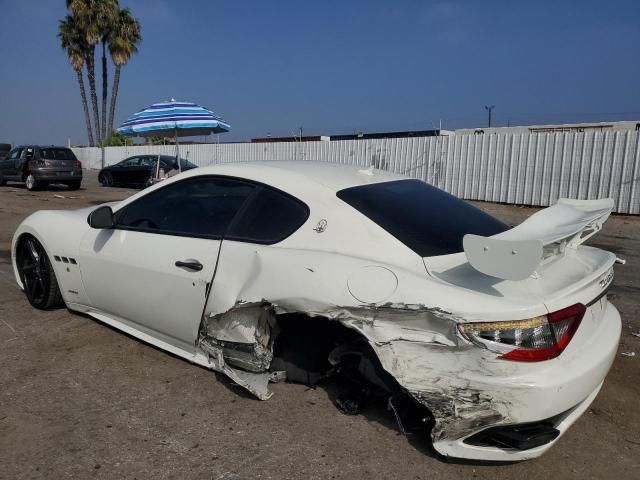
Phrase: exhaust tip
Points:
(523, 436)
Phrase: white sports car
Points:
(496, 339)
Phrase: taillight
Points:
(78, 164)
(531, 340)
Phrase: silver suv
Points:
(38, 166)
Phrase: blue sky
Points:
(338, 66)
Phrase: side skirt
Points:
(171, 345)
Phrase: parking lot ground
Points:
(81, 400)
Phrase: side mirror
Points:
(101, 218)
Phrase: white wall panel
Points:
(519, 168)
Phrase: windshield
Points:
(426, 219)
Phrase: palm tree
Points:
(94, 19)
(73, 42)
(123, 43)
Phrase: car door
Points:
(28, 154)
(142, 172)
(128, 172)
(155, 268)
(8, 164)
(121, 171)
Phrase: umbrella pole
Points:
(178, 152)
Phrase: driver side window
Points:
(131, 162)
(198, 207)
(14, 154)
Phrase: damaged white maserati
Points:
(493, 339)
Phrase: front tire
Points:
(37, 276)
(30, 182)
(106, 179)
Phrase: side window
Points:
(147, 161)
(131, 162)
(270, 218)
(14, 154)
(203, 206)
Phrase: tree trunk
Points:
(105, 85)
(114, 96)
(91, 74)
(85, 107)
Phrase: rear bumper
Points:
(57, 176)
(468, 390)
(461, 448)
(560, 389)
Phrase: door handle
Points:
(194, 265)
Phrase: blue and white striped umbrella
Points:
(168, 119)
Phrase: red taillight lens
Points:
(78, 164)
(565, 322)
(532, 340)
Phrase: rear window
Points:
(169, 163)
(270, 217)
(426, 219)
(57, 154)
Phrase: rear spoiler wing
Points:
(516, 253)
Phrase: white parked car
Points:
(496, 338)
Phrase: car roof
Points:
(162, 157)
(281, 174)
(41, 146)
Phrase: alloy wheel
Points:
(30, 182)
(35, 271)
(106, 179)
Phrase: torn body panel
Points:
(240, 344)
(465, 388)
(409, 339)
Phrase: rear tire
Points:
(30, 182)
(3, 181)
(106, 179)
(75, 185)
(37, 276)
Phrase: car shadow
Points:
(5, 257)
(375, 409)
(54, 187)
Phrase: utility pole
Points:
(489, 108)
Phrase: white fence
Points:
(522, 169)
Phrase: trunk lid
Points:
(540, 260)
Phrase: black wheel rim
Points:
(34, 270)
(107, 179)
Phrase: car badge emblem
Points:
(321, 226)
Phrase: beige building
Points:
(566, 127)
